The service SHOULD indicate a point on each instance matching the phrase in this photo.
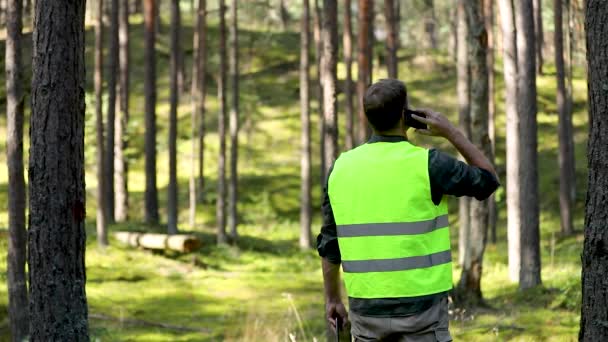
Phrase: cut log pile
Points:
(180, 243)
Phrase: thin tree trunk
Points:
(151, 213)
(234, 123)
(197, 105)
(538, 30)
(305, 162)
(464, 119)
(429, 24)
(174, 100)
(221, 177)
(16, 282)
(564, 131)
(489, 24)
(284, 14)
(363, 63)
(594, 316)
(110, 122)
(453, 42)
(57, 236)
(570, 163)
(348, 85)
(513, 142)
(121, 189)
(202, 93)
(391, 41)
(469, 287)
(329, 66)
(319, 60)
(102, 209)
(529, 275)
(397, 23)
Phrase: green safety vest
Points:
(394, 241)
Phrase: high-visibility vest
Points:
(394, 241)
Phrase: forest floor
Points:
(265, 288)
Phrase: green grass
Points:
(266, 288)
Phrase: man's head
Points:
(383, 104)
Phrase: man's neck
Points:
(395, 132)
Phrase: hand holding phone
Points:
(411, 122)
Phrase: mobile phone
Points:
(410, 121)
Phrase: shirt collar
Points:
(386, 138)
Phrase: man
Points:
(385, 221)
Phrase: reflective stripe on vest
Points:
(394, 241)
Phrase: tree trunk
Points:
(570, 163)
(284, 14)
(538, 30)
(110, 122)
(329, 66)
(469, 287)
(453, 42)
(513, 142)
(17, 287)
(348, 85)
(464, 118)
(197, 104)
(202, 94)
(174, 100)
(529, 275)
(305, 185)
(57, 237)
(594, 316)
(221, 183)
(565, 203)
(102, 209)
(363, 63)
(429, 24)
(319, 60)
(391, 40)
(151, 214)
(234, 124)
(121, 189)
(489, 24)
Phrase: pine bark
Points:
(469, 287)
(329, 67)
(221, 183)
(364, 55)
(151, 194)
(305, 149)
(102, 209)
(489, 23)
(348, 85)
(173, 100)
(529, 275)
(565, 202)
(57, 237)
(464, 119)
(202, 93)
(197, 104)
(121, 189)
(16, 281)
(234, 123)
(429, 24)
(391, 39)
(318, 22)
(538, 30)
(111, 118)
(509, 34)
(594, 316)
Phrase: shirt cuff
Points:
(328, 248)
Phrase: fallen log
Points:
(179, 242)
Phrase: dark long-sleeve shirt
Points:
(448, 176)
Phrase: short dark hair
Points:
(384, 102)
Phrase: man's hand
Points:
(438, 125)
(336, 309)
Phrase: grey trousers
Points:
(427, 326)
